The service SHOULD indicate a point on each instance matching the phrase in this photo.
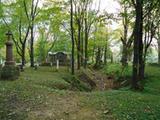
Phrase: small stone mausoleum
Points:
(61, 57)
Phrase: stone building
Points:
(62, 57)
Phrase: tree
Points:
(137, 42)
(19, 26)
(31, 19)
(21, 35)
(84, 18)
(100, 44)
(72, 36)
(158, 42)
(142, 9)
(126, 39)
(151, 24)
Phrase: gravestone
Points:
(9, 71)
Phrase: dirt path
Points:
(66, 107)
(102, 81)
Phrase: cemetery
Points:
(79, 60)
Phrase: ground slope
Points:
(45, 95)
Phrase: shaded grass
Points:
(36, 92)
(125, 104)
(45, 95)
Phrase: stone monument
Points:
(9, 50)
(10, 71)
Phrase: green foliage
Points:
(2, 35)
(117, 71)
(41, 48)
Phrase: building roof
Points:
(54, 53)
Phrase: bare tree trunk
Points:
(23, 55)
(98, 58)
(141, 60)
(159, 52)
(72, 38)
(82, 43)
(124, 59)
(137, 44)
(86, 44)
(33, 15)
(124, 38)
(79, 46)
(105, 55)
(32, 47)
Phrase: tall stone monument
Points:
(9, 50)
(9, 71)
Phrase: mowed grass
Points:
(45, 95)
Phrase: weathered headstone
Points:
(9, 71)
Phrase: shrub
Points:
(117, 71)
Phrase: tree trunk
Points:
(124, 59)
(105, 55)
(82, 50)
(98, 58)
(82, 44)
(72, 38)
(141, 60)
(159, 52)
(142, 72)
(32, 47)
(79, 46)
(23, 55)
(86, 44)
(137, 44)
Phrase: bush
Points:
(117, 71)
(10, 72)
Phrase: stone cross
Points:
(9, 49)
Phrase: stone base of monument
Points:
(10, 72)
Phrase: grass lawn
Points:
(45, 95)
